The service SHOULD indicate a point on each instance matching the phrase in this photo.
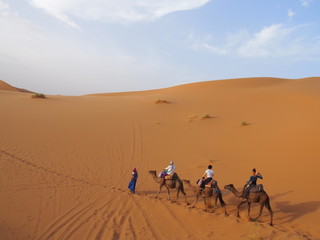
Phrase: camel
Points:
(259, 197)
(170, 183)
(207, 194)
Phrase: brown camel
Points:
(207, 194)
(169, 183)
(259, 197)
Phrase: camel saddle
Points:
(173, 176)
(168, 177)
(257, 188)
(209, 184)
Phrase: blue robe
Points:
(133, 182)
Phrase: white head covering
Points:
(171, 162)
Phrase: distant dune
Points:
(7, 87)
(65, 162)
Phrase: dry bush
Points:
(205, 116)
(38, 95)
(161, 101)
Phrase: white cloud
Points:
(114, 10)
(203, 44)
(275, 41)
(291, 13)
(214, 49)
(4, 5)
(305, 3)
(280, 41)
(266, 42)
(39, 60)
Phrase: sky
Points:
(76, 47)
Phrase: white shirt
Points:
(170, 169)
(209, 173)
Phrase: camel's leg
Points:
(185, 198)
(195, 202)
(249, 205)
(185, 195)
(261, 207)
(168, 192)
(223, 204)
(204, 200)
(270, 210)
(197, 197)
(159, 191)
(215, 200)
(225, 210)
(178, 191)
(242, 202)
(208, 201)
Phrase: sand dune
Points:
(66, 161)
(7, 87)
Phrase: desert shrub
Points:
(207, 115)
(161, 101)
(38, 95)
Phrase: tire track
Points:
(137, 154)
(39, 213)
(134, 230)
(110, 221)
(153, 229)
(35, 166)
(101, 231)
(141, 150)
(116, 221)
(73, 229)
(120, 222)
(98, 229)
(93, 233)
(65, 219)
(179, 223)
(70, 227)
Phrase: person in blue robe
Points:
(133, 181)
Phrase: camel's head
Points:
(228, 186)
(185, 181)
(152, 172)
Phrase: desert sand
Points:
(65, 162)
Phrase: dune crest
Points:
(7, 87)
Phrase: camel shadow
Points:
(294, 211)
(272, 198)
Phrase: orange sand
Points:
(65, 162)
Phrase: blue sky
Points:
(75, 47)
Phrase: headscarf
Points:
(134, 170)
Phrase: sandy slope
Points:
(65, 162)
(7, 87)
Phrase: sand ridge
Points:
(66, 161)
(7, 87)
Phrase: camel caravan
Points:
(208, 189)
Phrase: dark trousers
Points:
(247, 190)
(203, 184)
(163, 174)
